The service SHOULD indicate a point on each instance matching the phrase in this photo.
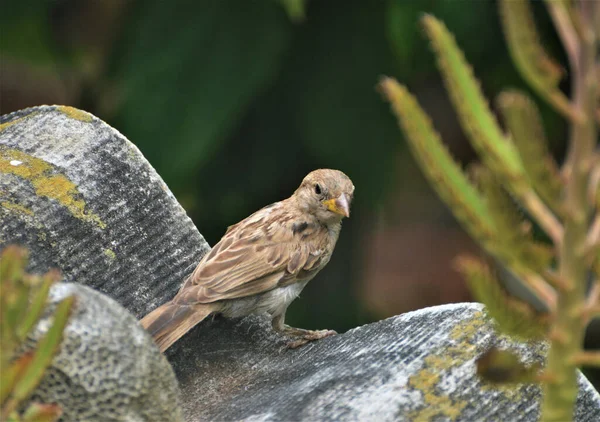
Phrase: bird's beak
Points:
(339, 205)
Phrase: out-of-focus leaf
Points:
(25, 296)
(497, 151)
(401, 21)
(37, 304)
(14, 307)
(463, 199)
(410, 49)
(524, 43)
(38, 412)
(188, 71)
(505, 367)
(13, 301)
(296, 9)
(11, 372)
(342, 121)
(480, 125)
(46, 349)
(445, 174)
(513, 244)
(524, 123)
(12, 264)
(535, 65)
(514, 317)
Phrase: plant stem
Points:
(593, 236)
(587, 359)
(560, 396)
(566, 31)
(542, 289)
(592, 303)
(543, 216)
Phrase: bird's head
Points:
(327, 194)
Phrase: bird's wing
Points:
(255, 256)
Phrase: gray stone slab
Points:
(83, 199)
(419, 366)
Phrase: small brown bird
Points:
(263, 262)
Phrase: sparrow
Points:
(262, 263)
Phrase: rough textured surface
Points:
(419, 366)
(108, 368)
(84, 199)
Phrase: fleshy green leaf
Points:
(497, 152)
(445, 175)
(523, 120)
(513, 243)
(12, 263)
(463, 199)
(23, 298)
(514, 317)
(37, 304)
(14, 297)
(533, 62)
(38, 412)
(478, 122)
(46, 349)
(10, 374)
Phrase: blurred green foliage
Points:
(185, 76)
(234, 101)
(22, 301)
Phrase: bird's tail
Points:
(169, 322)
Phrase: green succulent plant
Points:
(518, 173)
(22, 300)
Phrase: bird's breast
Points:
(273, 302)
(281, 297)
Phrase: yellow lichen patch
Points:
(14, 122)
(467, 329)
(436, 403)
(46, 182)
(19, 209)
(512, 392)
(110, 254)
(15, 162)
(75, 113)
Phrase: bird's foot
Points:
(304, 336)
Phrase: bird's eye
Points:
(318, 189)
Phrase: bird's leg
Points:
(301, 335)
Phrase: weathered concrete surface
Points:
(92, 206)
(419, 366)
(83, 199)
(108, 367)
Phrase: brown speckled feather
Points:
(271, 248)
(262, 263)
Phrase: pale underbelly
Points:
(273, 302)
